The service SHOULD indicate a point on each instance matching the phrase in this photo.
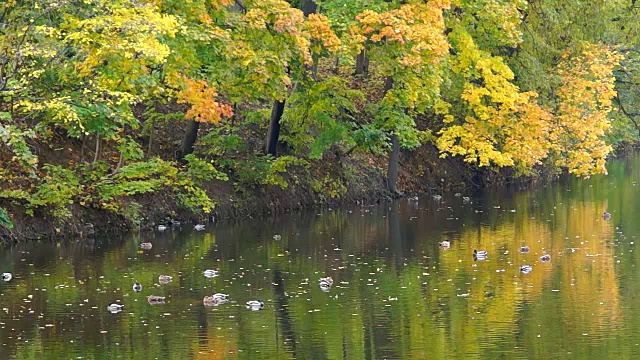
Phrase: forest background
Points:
(129, 113)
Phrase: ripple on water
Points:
(396, 292)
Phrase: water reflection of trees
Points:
(375, 254)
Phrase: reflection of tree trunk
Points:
(274, 127)
(282, 312)
(368, 341)
(362, 62)
(395, 234)
(203, 325)
(189, 140)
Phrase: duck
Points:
(437, 197)
(115, 308)
(7, 276)
(210, 273)
(466, 199)
(457, 194)
(326, 281)
(445, 244)
(255, 305)
(137, 287)
(165, 279)
(162, 227)
(545, 258)
(215, 299)
(480, 254)
(155, 299)
(524, 249)
(220, 296)
(277, 237)
(525, 269)
(175, 224)
(198, 227)
(324, 287)
(414, 198)
(146, 246)
(606, 215)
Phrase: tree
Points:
(409, 47)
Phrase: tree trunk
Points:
(84, 142)
(189, 140)
(362, 63)
(308, 7)
(274, 127)
(120, 163)
(151, 131)
(96, 156)
(394, 154)
(392, 170)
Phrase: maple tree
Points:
(498, 83)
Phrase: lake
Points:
(396, 293)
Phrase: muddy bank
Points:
(362, 180)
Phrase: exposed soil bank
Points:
(362, 180)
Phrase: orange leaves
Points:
(409, 45)
(419, 25)
(319, 31)
(204, 107)
(219, 4)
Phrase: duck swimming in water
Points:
(7, 276)
(326, 281)
(444, 244)
(165, 279)
(210, 273)
(545, 258)
(215, 299)
(162, 227)
(198, 227)
(480, 255)
(155, 300)
(525, 269)
(146, 246)
(606, 215)
(524, 249)
(255, 305)
(115, 308)
(137, 287)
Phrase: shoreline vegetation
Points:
(129, 114)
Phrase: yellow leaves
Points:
(409, 45)
(502, 126)
(123, 32)
(256, 19)
(585, 101)
(505, 127)
(204, 107)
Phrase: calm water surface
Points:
(396, 294)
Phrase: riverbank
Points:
(359, 178)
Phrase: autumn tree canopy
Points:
(112, 88)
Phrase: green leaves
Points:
(5, 220)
